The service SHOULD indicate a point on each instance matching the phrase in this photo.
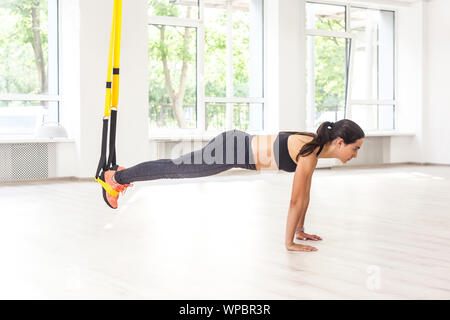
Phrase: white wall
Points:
(436, 81)
(409, 85)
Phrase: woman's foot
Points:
(111, 196)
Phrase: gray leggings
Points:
(230, 149)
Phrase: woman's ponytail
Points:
(328, 131)
(321, 138)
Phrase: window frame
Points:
(202, 99)
(57, 74)
(348, 35)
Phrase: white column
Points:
(69, 48)
(256, 63)
(271, 62)
(52, 71)
(292, 111)
(229, 72)
(386, 66)
(311, 103)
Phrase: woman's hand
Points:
(306, 236)
(299, 247)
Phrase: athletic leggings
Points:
(230, 149)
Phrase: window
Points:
(29, 70)
(205, 65)
(350, 65)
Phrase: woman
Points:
(289, 151)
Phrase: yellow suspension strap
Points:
(111, 100)
(115, 85)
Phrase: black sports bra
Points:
(281, 152)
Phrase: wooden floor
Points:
(386, 235)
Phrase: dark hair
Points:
(346, 129)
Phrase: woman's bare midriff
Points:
(262, 147)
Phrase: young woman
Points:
(288, 151)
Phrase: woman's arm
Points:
(301, 221)
(299, 200)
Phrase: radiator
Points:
(27, 161)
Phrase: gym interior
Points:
(189, 70)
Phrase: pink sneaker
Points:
(112, 195)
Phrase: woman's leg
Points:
(230, 149)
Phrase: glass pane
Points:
(386, 56)
(234, 48)
(248, 116)
(365, 116)
(28, 47)
(373, 61)
(215, 50)
(173, 8)
(23, 117)
(215, 116)
(325, 17)
(248, 48)
(387, 117)
(172, 77)
(325, 78)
